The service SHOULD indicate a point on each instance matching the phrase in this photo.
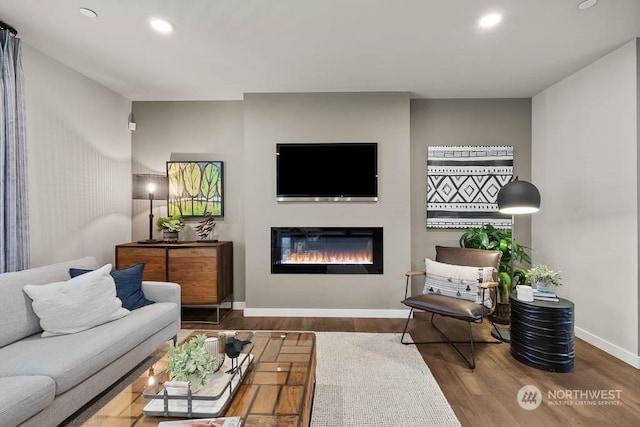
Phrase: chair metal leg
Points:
(473, 354)
(472, 363)
(405, 329)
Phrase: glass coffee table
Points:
(277, 389)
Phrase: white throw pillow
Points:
(457, 281)
(80, 303)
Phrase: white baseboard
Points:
(324, 312)
(238, 305)
(604, 345)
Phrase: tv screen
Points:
(327, 172)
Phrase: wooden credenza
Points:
(204, 271)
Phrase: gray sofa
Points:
(45, 380)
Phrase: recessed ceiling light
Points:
(490, 20)
(88, 12)
(586, 4)
(161, 26)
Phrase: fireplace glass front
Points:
(326, 250)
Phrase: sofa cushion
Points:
(79, 303)
(70, 359)
(16, 313)
(128, 285)
(23, 397)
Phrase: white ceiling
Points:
(221, 49)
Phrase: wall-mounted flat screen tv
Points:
(327, 172)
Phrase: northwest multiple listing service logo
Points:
(530, 397)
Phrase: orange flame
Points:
(316, 257)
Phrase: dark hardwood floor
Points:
(487, 396)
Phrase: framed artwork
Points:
(196, 188)
(463, 184)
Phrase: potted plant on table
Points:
(490, 238)
(543, 278)
(191, 362)
(170, 227)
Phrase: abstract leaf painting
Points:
(195, 188)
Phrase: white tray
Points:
(210, 401)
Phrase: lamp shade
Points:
(141, 182)
(518, 197)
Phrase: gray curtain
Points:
(14, 219)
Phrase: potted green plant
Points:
(490, 238)
(542, 277)
(170, 226)
(191, 361)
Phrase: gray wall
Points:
(585, 157)
(244, 134)
(346, 117)
(199, 130)
(463, 122)
(79, 151)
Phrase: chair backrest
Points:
(472, 258)
(469, 257)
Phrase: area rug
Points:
(367, 379)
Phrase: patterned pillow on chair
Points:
(457, 281)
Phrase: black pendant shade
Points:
(518, 197)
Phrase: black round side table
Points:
(542, 333)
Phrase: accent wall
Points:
(326, 117)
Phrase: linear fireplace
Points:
(326, 250)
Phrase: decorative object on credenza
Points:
(195, 187)
(515, 198)
(149, 186)
(205, 229)
(170, 227)
(463, 183)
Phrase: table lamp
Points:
(146, 186)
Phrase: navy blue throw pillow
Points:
(128, 285)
